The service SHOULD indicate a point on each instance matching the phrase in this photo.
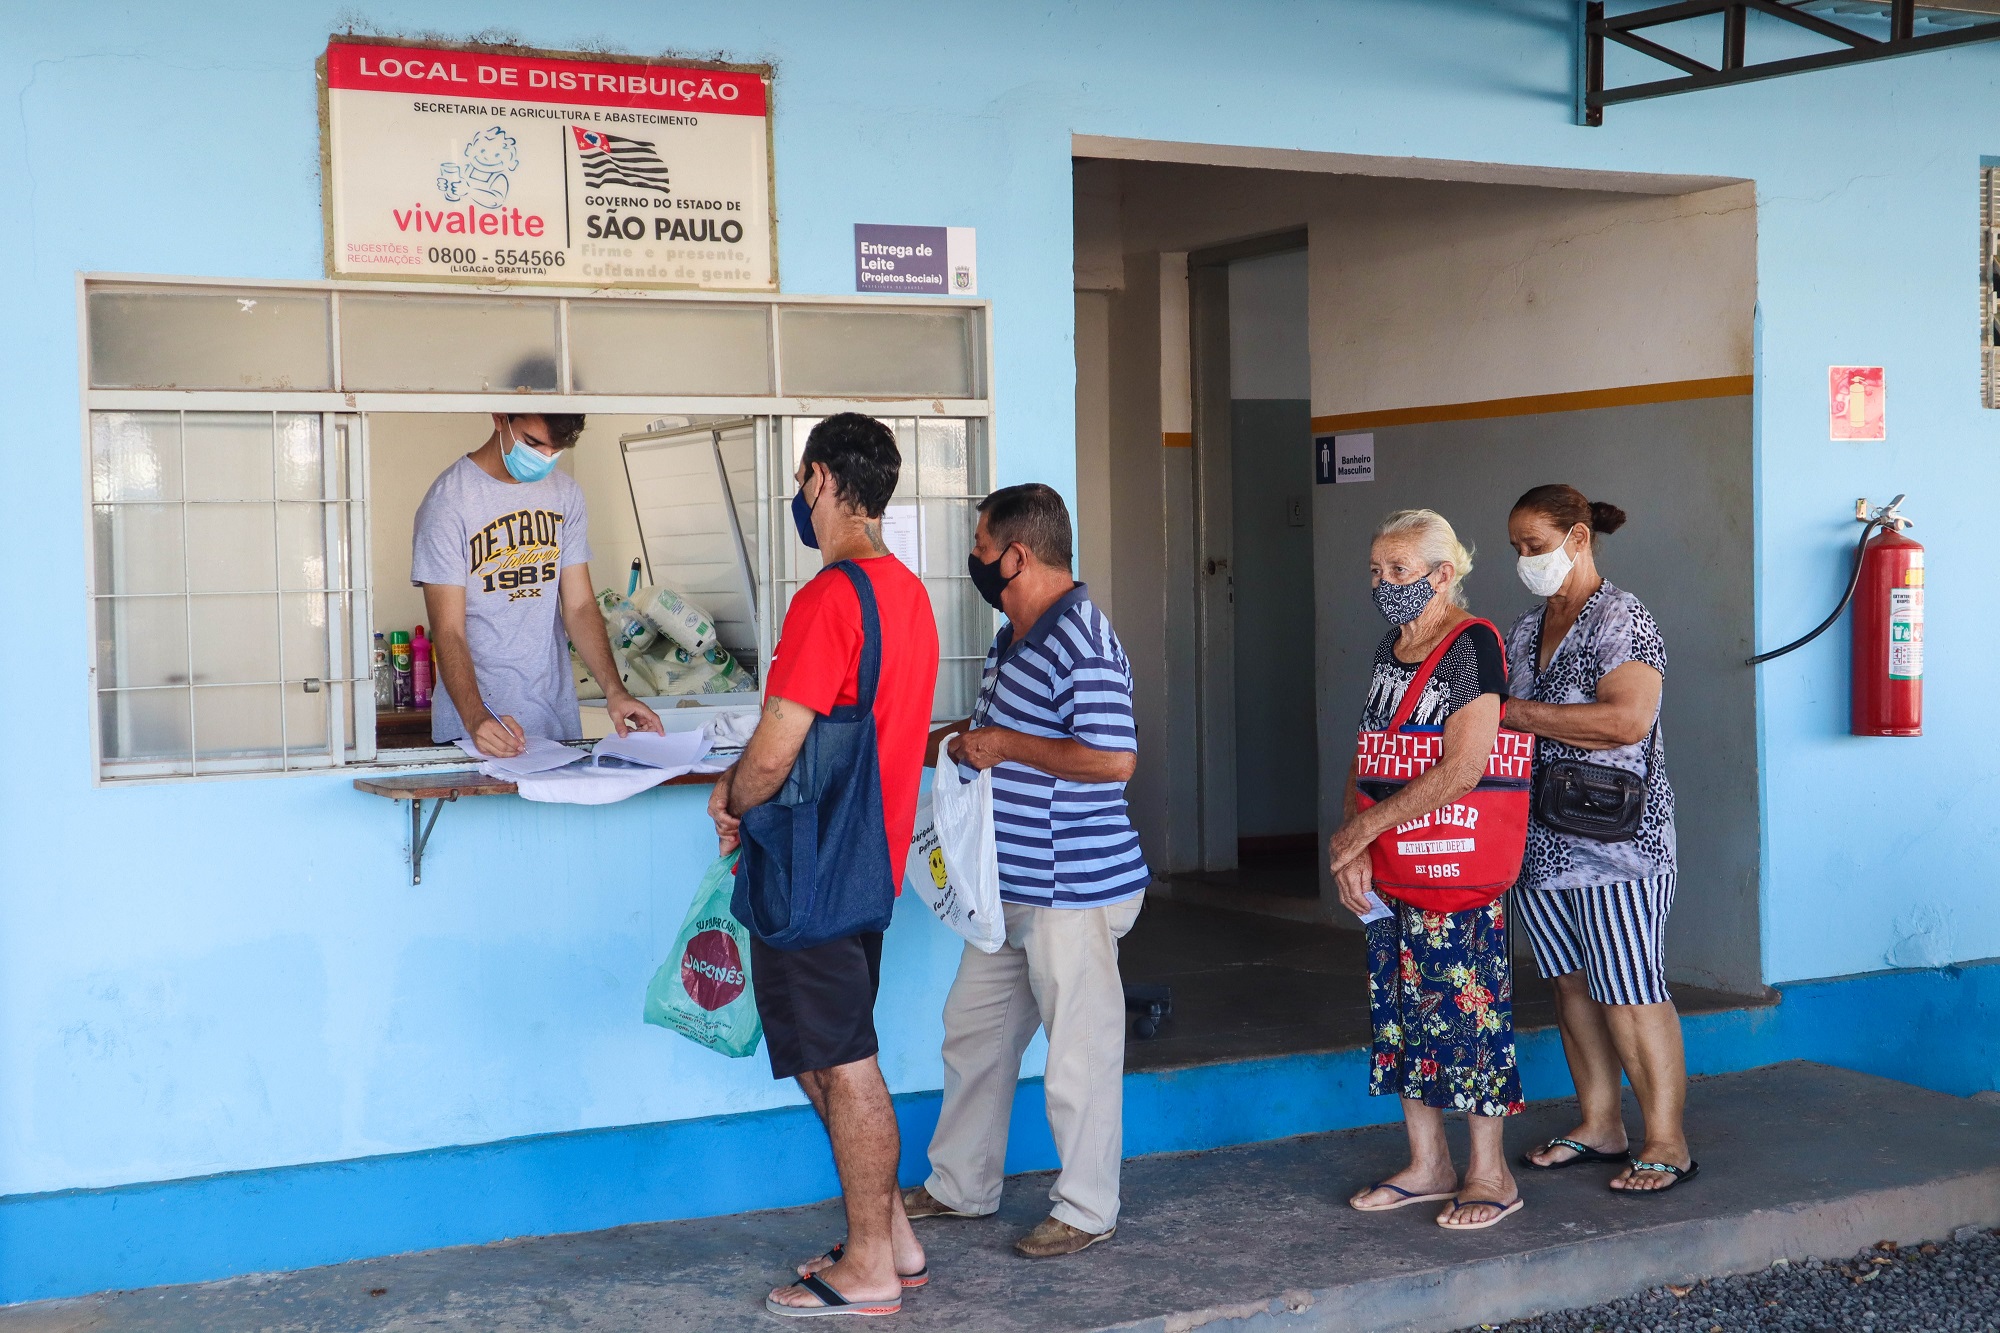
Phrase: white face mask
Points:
(1544, 574)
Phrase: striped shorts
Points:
(1615, 934)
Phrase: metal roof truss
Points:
(1953, 23)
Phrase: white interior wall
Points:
(1426, 293)
(407, 451)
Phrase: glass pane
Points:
(863, 353)
(447, 344)
(305, 638)
(145, 724)
(906, 448)
(184, 338)
(235, 639)
(301, 464)
(948, 530)
(228, 455)
(964, 621)
(302, 559)
(135, 455)
(941, 456)
(141, 641)
(138, 548)
(662, 347)
(235, 719)
(231, 548)
(305, 719)
(957, 687)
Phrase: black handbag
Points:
(1595, 801)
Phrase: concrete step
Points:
(1798, 1160)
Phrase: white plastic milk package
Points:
(669, 611)
(954, 863)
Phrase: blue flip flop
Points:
(1404, 1202)
(1507, 1210)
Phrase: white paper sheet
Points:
(1377, 909)
(677, 749)
(903, 534)
(541, 755)
(587, 784)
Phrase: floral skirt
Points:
(1441, 998)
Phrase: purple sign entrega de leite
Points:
(900, 259)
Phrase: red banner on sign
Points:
(493, 77)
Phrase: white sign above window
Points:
(445, 164)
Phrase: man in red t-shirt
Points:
(818, 1003)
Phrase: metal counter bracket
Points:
(420, 833)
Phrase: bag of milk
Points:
(628, 629)
(669, 611)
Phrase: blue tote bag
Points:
(815, 864)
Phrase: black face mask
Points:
(988, 579)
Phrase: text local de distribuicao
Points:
(558, 80)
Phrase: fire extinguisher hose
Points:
(1860, 548)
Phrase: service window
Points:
(256, 455)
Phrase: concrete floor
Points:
(1798, 1160)
(1248, 985)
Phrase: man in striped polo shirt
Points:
(1054, 723)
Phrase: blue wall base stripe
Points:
(1940, 1029)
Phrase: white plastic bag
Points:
(954, 865)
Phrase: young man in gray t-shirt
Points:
(502, 553)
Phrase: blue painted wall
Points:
(237, 975)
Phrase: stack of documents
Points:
(615, 768)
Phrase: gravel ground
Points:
(1951, 1285)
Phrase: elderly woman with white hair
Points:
(1440, 981)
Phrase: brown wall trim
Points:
(1584, 400)
(1177, 439)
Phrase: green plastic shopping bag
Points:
(702, 991)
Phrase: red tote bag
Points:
(1467, 852)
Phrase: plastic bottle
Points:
(420, 668)
(400, 664)
(383, 674)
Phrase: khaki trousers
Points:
(1058, 970)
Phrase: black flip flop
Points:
(909, 1280)
(1584, 1153)
(831, 1302)
(1666, 1169)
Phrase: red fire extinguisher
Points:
(1889, 635)
(1888, 688)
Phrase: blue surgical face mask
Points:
(1400, 603)
(802, 519)
(525, 463)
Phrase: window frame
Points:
(778, 408)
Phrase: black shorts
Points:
(818, 1004)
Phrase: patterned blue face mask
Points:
(1400, 603)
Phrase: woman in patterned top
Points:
(1587, 669)
(1440, 985)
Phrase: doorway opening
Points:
(1477, 329)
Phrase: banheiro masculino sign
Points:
(493, 166)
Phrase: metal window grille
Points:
(947, 471)
(1989, 286)
(230, 591)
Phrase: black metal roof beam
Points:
(1856, 48)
